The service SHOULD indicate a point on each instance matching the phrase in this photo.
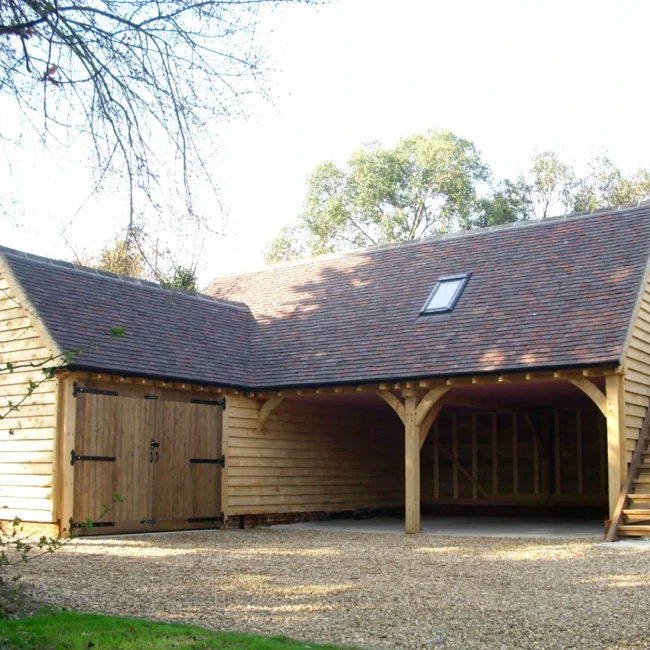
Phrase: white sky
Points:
(513, 76)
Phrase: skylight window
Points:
(445, 294)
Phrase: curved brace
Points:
(267, 408)
(593, 392)
(429, 420)
(394, 403)
(429, 400)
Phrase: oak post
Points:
(616, 451)
(412, 463)
(67, 441)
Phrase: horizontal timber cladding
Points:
(556, 457)
(637, 373)
(27, 434)
(311, 457)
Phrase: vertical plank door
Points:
(187, 475)
(113, 427)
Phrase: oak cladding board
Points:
(311, 457)
(637, 373)
(27, 435)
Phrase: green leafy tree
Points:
(509, 202)
(289, 244)
(552, 182)
(425, 185)
(606, 185)
(122, 257)
(182, 278)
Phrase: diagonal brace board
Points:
(394, 403)
(460, 468)
(428, 401)
(267, 408)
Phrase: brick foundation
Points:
(253, 521)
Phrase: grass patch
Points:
(76, 631)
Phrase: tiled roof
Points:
(553, 294)
(167, 333)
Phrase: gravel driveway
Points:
(364, 589)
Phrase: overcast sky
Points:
(513, 76)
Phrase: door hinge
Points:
(209, 402)
(210, 461)
(74, 457)
(95, 524)
(92, 391)
(196, 520)
(148, 521)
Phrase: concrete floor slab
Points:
(544, 528)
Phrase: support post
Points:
(412, 462)
(616, 451)
(66, 433)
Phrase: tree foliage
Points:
(182, 278)
(435, 183)
(425, 184)
(122, 257)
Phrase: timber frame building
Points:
(490, 369)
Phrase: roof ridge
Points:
(527, 223)
(109, 275)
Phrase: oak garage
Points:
(506, 367)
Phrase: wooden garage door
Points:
(111, 456)
(187, 476)
(159, 451)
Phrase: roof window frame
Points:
(464, 277)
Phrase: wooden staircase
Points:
(632, 515)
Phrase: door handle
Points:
(157, 456)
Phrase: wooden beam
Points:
(483, 404)
(593, 392)
(267, 408)
(616, 451)
(225, 469)
(558, 452)
(515, 455)
(427, 402)
(495, 456)
(394, 403)
(67, 443)
(411, 466)
(425, 427)
(458, 466)
(579, 456)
